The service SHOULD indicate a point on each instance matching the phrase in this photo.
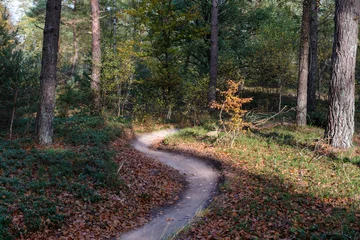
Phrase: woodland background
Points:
(156, 70)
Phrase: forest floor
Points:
(90, 185)
(280, 183)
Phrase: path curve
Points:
(201, 179)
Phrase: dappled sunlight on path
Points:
(201, 185)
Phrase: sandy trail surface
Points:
(201, 180)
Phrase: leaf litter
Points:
(147, 184)
(252, 204)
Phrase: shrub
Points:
(232, 105)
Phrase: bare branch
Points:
(38, 26)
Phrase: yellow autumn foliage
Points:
(232, 104)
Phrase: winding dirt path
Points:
(201, 186)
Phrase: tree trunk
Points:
(76, 52)
(48, 79)
(13, 113)
(119, 100)
(96, 53)
(116, 78)
(280, 96)
(303, 65)
(114, 26)
(340, 126)
(213, 51)
(75, 45)
(311, 104)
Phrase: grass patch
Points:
(277, 186)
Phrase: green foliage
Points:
(32, 179)
(38, 10)
(9, 68)
(118, 71)
(73, 81)
(74, 97)
(257, 41)
(18, 82)
(164, 52)
(317, 118)
(273, 64)
(237, 30)
(191, 133)
(38, 210)
(325, 44)
(85, 131)
(193, 104)
(156, 53)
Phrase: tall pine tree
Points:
(303, 65)
(96, 53)
(48, 79)
(341, 122)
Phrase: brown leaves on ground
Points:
(252, 205)
(147, 184)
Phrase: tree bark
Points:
(96, 53)
(280, 97)
(48, 80)
(75, 45)
(213, 51)
(312, 80)
(303, 65)
(114, 27)
(340, 126)
(13, 113)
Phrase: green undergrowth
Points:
(285, 149)
(291, 158)
(31, 179)
(88, 131)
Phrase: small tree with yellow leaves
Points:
(232, 105)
